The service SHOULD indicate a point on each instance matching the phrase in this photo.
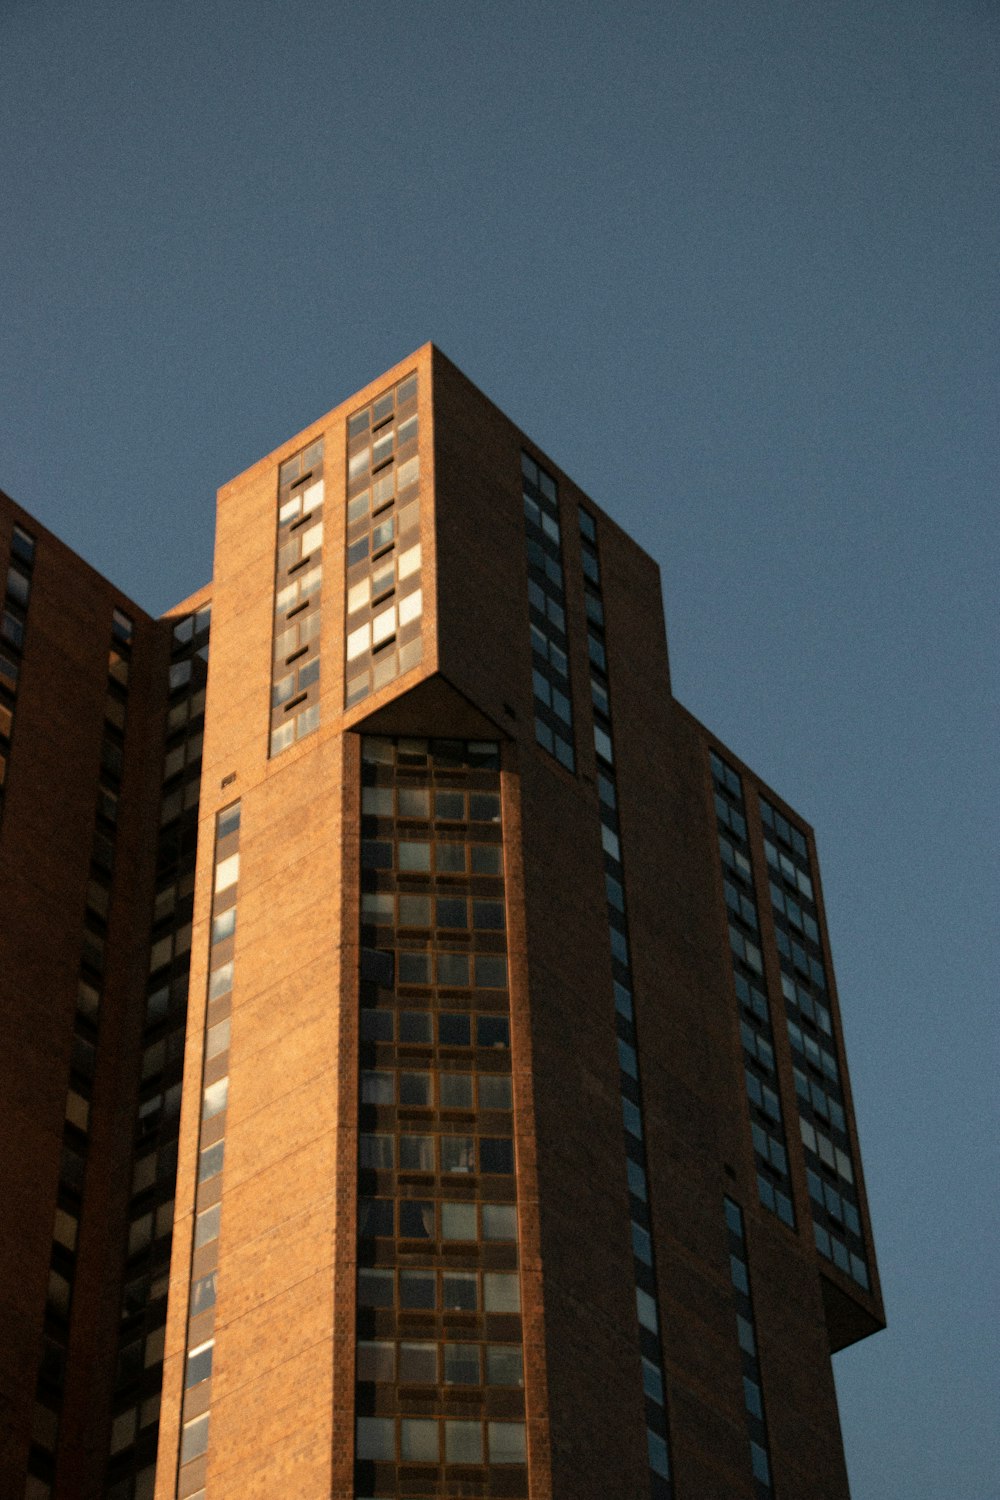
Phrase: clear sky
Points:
(733, 264)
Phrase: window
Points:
(417, 1289)
(199, 1363)
(657, 1452)
(418, 1363)
(456, 1090)
(382, 546)
(211, 1160)
(632, 1118)
(458, 1221)
(227, 872)
(453, 969)
(491, 973)
(220, 981)
(122, 628)
(376, 1361)
(463, 1442)
(297, 590)
(206, 1226)
(496, 1155)
(507, 1443)
(416, 1220)
(416, 1089)
(58, 1297)
(376, 1289)
(224, 926)
(22, 545)
(123, 1430)
(203, 1294)
(492, 1031)
(755, 1028)
(504, 1365)
(495, 1091)
(646, 1310)
(65, 1230)
(457, 1153)
(760, 1464)
(652, 1381)
(415, 968)
(376, 1152)
(418, 1440)
(215, 1098)
(487, 859)
(460, 1292)
(440, 921)
(416, 1027)
(414, 856)
(745, 1334)
(628, 1062)
(546, 611)
(641, 1245)
(194, 1439)
(376, 1438)
(501, 1292)
(18, 586)
(450, 859)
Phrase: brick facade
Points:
(283, 1394)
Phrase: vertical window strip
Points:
(746, 1332)
(12, 627)
(85, 1039)
(547, 614)
(760, 1073)
(384, 596)
(135, 1423)
(298, 581)
(438, 1278)
(644, 1260)
(830, 1168)
(200, 1343)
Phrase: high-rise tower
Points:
(425, 1065)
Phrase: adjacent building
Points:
(422, 1064)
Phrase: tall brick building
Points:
(422, 1064)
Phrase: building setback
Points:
(422, 1069)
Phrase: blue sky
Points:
(733, 265)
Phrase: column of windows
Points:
(12, 625)
(200, 1344)
(822, 1118)
(760, 1074)
(746, 1332)
(547, 613)
(440, 1404)
(139, 1373)
(384, 595)
(83, 1064)
(651, 1350)
(298, 580)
